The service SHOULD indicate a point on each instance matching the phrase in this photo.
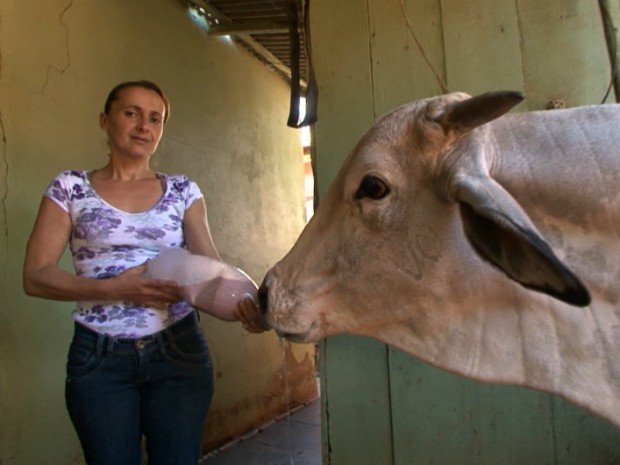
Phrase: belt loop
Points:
(100, 345)
(162, 338)
(111, 340)
(167, 335)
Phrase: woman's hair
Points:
(113, 95)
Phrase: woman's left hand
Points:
(248, 313)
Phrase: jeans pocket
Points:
(189, 348)
(82, 359)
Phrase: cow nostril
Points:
(263, 292)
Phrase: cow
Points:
(482, 241)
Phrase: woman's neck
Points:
(124, 172)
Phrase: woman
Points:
(138, 363)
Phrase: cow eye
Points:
(373, 188)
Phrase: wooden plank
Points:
(610, 11)
(354, 374)
(340, 45)
(400, 71)
(357, 403)
(439, 418)
(482, 44)
(582, 438)
(564, 52)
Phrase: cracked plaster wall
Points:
(58, 60)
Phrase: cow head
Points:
(412, 220)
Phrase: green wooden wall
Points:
(381, 407)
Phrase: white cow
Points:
(486, 247)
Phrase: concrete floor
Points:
(294, 440)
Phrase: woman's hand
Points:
(132, 285)
(248, 313)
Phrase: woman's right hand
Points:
(250, 316)
(134, 286)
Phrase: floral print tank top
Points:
(106, 241)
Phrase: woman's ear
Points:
(103, 120)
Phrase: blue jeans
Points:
(160, 387)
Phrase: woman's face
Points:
(134, 123)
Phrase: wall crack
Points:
(4, 194)
(60, 70)
(4, 186)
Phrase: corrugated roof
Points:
(261, 27)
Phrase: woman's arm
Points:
(196, 231)
(199, 241)
(43, 278)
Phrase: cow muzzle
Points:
(282, 311)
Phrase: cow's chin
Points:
(308, 334)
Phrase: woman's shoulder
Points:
(72, 173)
(179, 182)
(67, 185)
(71, 176)
(181, 185)
(174, 177)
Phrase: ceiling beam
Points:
(253, 27)
(265, 54)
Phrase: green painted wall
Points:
(58, 60)
(381, 407)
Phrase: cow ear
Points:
(502, 234)
(465, 115)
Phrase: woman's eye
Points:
(373, 188)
